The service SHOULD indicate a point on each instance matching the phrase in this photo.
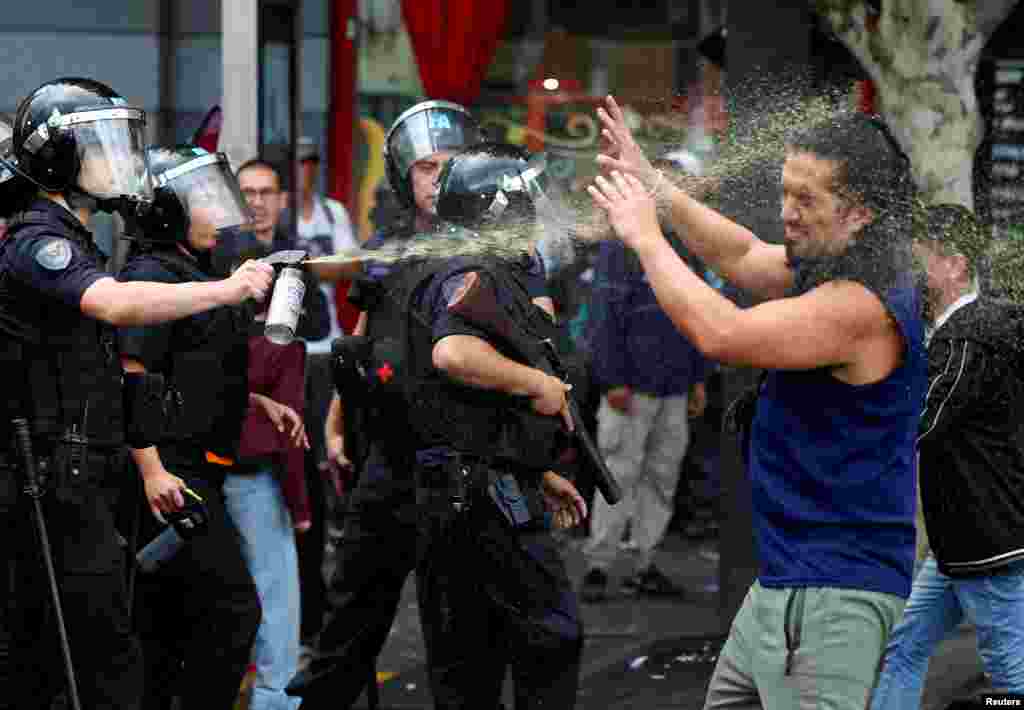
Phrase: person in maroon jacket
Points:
(267, 498)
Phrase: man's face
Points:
(423, 175)
(944, 272)
(96, 175)
(818, 221)
(262, 191)
(205, 213)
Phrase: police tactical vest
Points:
(442, 412)
(74, 376)
(208, 370)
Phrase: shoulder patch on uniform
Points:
(54, 254)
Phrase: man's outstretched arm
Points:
(732, 250)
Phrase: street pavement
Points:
(647, 653)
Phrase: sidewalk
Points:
(639, 652)
(643, 653)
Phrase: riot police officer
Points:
(377, 548)
(80, 145)
(201, 608)
(488, 428)
(14, 189)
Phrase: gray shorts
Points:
(795, 648)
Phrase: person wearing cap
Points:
(323, 227)
(971, 445)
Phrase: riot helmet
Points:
(194, 191)
(494, 184)
(79, 138)
(425, 129)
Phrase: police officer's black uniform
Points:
(377, 547)
(68, 365)
(201, 608)
(13, 189)
(490, 595)
(493, 589)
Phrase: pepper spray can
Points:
(285, 306)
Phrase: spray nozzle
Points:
(286, 257)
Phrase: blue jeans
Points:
(993, 603)
(257, 506)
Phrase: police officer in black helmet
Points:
(488, 426)
(14, 189)
(80, 146)
(377, 548)
(200, 610)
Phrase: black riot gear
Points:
(192, 187)
(476, 421)
(206, 373)
(63, 399)
(425, 129)
(492, 185)
(79, 138)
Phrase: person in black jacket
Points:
(971, 447)
(197, 615)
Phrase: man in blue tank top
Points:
(831, 446)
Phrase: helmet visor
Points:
(111, 153)
(209, 193)
(549, 197)
(429, 131)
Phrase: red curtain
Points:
(454, 42)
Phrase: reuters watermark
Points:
(1001, 701)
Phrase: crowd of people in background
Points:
(878, 348)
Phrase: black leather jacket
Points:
(972, 440)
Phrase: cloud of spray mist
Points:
(741, 174)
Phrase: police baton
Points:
(33, 489)
(478, 303)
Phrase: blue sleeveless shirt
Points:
(833, 469)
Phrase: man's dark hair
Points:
(261, 163)
(872, 168)
(872, 171)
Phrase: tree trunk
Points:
(923, 56)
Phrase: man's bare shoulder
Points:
(875, 342)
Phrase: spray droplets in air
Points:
(739, 175)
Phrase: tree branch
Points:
(991, 13)
(848, 19)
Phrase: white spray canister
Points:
(285, 306)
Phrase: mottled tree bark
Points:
(923, 56)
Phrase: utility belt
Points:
(473, 513)
(468, 487)
(69, 468)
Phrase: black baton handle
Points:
(23, 442)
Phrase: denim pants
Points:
(257, 506)
(994, 603)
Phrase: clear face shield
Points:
(209, 193)
(555, 217)
(111, 152)
(427, 131)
